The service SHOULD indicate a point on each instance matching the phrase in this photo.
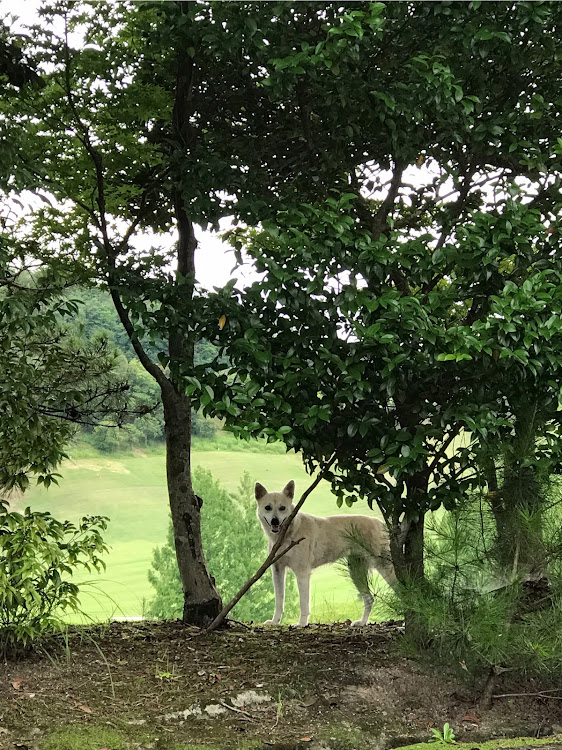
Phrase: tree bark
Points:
(202, 603)
(201, 600)
(407, 552)
(414, 624)
(518, 505)
(518, 509)
(413, 551)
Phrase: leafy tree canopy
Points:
(412, 278)
(52, 378)
(399, 165)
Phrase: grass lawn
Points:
(131, 490)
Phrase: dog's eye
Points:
(282, 508)
(268, 507)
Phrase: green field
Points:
(131, 490)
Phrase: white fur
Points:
(325, 541)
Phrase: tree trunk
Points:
(413, 550)
(201, 600)
(407, 551)
(518, 505)
(202, 603)
(414, 624)
(518, 513)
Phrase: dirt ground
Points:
(165, 686)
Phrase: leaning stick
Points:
(274, 554)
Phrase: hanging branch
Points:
(274, 554)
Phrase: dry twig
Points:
(238, 711)
(274, 554)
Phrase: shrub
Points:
(478, 616)
(234, 547)
(38, 555)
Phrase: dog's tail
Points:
(360, 574)
(357, 562)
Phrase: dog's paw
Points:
(358, 624)
(272, 622)
(301, 625)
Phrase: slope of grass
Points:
(131, 491)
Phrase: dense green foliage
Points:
(53, 378)
(38, 556)
(97, 313)
(394, 171)
(234, 547)
(412, 274)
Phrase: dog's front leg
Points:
(303, 582)
(278, 573)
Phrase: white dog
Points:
(362, 540)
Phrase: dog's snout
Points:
(275, 521)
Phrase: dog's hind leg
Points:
(359, 574)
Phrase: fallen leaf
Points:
(17, 683)
(222, 321)
(474, 718)
(85, 709)
(306, 739)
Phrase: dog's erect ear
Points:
(289, 489)
(259, 491)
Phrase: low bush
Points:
(38, 557)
